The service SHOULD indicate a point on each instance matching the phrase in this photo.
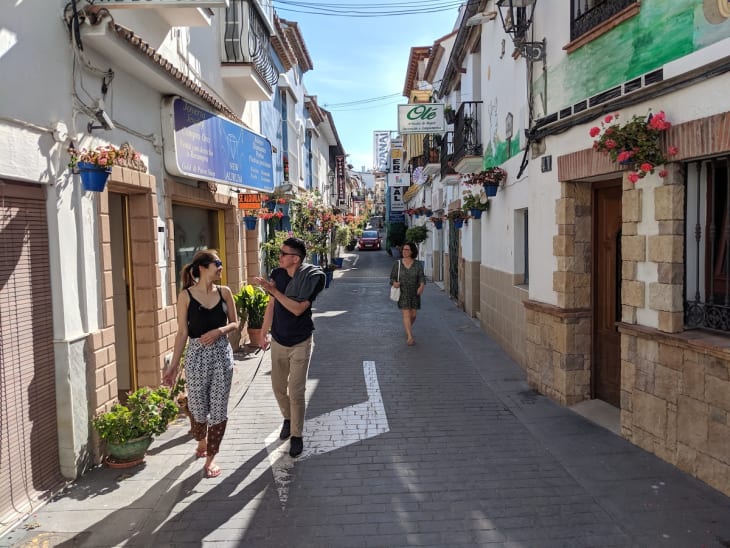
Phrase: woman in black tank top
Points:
(205, 315)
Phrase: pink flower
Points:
(646, 167)
(673, 150)
(608, 119)
(663, 173)
(659, 122)
(594, 131)
(610, 143)
(633, 177)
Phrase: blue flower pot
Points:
(458, 223)
(491, 189)
(250, 223)
(438, 225)
(476, 213)
(93, 178)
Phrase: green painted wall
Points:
(497, 152)
(664, 30)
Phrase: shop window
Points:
(707, 268)
(522, 248)
(195, 229)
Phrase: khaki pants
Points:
(289, 366)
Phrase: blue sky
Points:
(363, 58)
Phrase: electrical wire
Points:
(361, 101)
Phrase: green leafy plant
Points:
(636, 142)
(146, 413)
(490, 176)
(417, 234)
(251, 302)
(270, 249)
(455, 214)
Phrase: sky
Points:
(360, 58)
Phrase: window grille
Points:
(588, 14)
(707, 287)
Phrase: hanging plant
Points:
(636, 143)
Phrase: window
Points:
(707, 289)
(588, 14)
(522, 248)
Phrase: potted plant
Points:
(636, 143)
(128, 429)
(95, 165)
(251, 302)
(458, 216)
(475, 202)
(449, 114)
(438, 222)
(489, 179)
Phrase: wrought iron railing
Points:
(588, 14)
(467, 130)
(446, 154)
(248, 45)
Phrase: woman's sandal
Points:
(410, 342)
(201, 453)
(212, 472)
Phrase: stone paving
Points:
(440, 444)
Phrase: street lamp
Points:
(517, 25)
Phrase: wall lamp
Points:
(517, 23)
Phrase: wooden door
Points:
(606, 377)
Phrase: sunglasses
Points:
(217, 263)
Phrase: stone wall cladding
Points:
(502, 311)
(557, 351)
(675, 399)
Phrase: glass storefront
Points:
(195, 229)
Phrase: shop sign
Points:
(202, 145)
(421, 118)
(381, 147)
(250, 201)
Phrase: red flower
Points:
(594, 131)
(673, 150)
(663, 173)
(624, 156)
(608, 119)
(646, 167)
(610, 143)
(633, 177)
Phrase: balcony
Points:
(468, 137)
(449, 175)
(430, 159)
(246, 64)
(177, 13)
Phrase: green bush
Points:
(147, 413)
(417, 234)
(396, 234)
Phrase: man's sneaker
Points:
(296, 446)
(285, 430)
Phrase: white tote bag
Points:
(395, 291)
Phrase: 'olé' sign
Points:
(421, 118)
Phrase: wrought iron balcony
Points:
(449, 175)
(467, 137)
(245, 57)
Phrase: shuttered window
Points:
(29, 463)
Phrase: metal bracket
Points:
(532, 51)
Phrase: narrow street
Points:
(439, 444)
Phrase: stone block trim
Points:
(558, 351)
(675, 399)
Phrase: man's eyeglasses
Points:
(282, 253)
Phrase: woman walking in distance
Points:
(412, 281)
(205, 315)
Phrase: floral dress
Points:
(410, 279)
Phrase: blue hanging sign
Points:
(204, 146)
